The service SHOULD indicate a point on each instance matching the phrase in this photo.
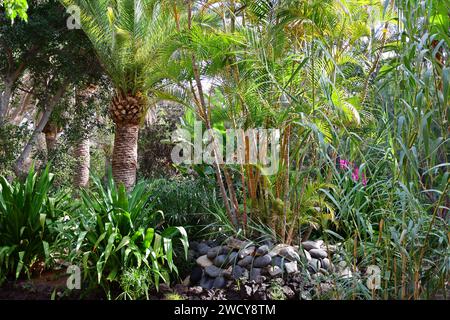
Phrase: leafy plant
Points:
(27, 215)
(118, 231)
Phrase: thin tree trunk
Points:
(5, 99)
(42, 123)
(83, 156)
(124, 160)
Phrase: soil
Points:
(41, 287)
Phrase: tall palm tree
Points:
(127, 36)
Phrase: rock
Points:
(255, 275)
(227, 272)
(289, 253)
(237, 244)
(213, 271)
(239, 272)
(318, 253)
(276, 250)
(288, 292)
(305, 254)
(323, 271)
(206, 282)
(314, 264)
(196, 275)
(346, 273)
(275, 271)
(325, 263)
(308, 245)
(193, 245)
(278, 261)
(204, 262)
(220, 261)
(331, 248)
(246, 252)
(263, 250)
(247, 261)
(196, 290)
(261, 262)
(231, 258)
(203, 248)
(211, 243)
(214, 252)
(225, 260)
(219, 283)
(291, 267)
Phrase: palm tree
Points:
(127, 36)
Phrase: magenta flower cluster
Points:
(347, 165)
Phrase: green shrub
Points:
(183, 201)
(118, 231)
(27, 216)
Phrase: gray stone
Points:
(220, 261)
(323, 271)
(291, 267)
(261, 262)
(237, 244)
(203, 248)
(318, 253)
(263, 250)
(239, 272)
(308, 245)
(231, 258)
(346, 273)
(314, 264)
(276, 250)
(225, 260)
(255, 275)
(289, 253)
(213, 271)
(288, 292)
(275, 271)
(196, 290)
(278, 261)
(227, 272)
(305, 254)
(204, 262)
(219, 283)
(325, 263)
(214, 252)
(246, 252)
(206, 282)
(247, 261)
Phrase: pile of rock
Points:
(218, 266)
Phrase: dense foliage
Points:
(359, 91)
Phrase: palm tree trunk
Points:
(124, 159)
(83, 156)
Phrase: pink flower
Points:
(355, 174)
(344, 164)
(364, 180)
